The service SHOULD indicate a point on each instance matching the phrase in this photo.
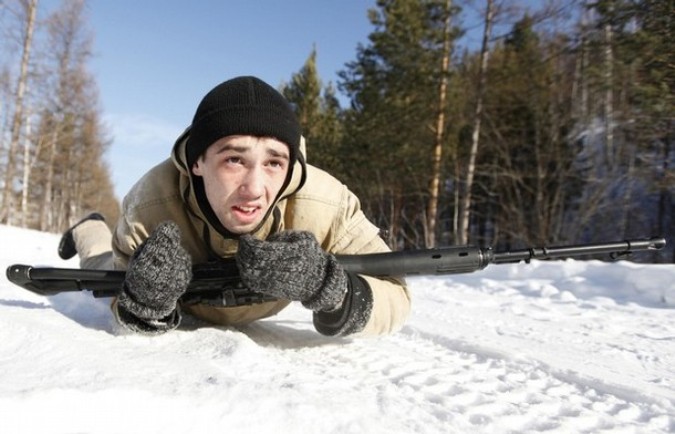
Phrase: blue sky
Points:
(155, 59)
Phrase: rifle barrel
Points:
(615, 249)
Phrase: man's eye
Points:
(233, 160)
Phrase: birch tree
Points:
(27, 14)
(439, 136)
(465, 204)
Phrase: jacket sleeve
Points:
(390, 299)
(391, 306)
(127, 237)
(126, 240)
(379, 305)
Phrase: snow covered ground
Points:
(560, 347)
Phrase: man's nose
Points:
(254, 183)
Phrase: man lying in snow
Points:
(238, 185)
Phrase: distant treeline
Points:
(555, 126)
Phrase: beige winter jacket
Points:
(321, 205)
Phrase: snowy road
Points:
(564, 346)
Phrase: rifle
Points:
(217, 283)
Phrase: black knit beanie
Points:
(243, 106)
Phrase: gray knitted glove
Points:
(158, 274)
(291, 265)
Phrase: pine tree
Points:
(319, 113)
(527, 164)
(393, 86)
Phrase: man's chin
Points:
(240, 228)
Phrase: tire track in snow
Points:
(426, 379)
(527, 395)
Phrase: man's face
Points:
(242, 177)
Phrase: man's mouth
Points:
(246, 214)
(246, 209)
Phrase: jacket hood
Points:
(194, 196)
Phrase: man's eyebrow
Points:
(245, 148)
(278, 154)
(231, 147)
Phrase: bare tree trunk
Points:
(456, 195)
(609, 100)
(627, 199)
(465, 204)
(437, 154)
(26, 176)
(47, 217)
(580, 83)
(665, 206)
(8, 193)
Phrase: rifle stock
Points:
(218, 283)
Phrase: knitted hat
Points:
(243, 106)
